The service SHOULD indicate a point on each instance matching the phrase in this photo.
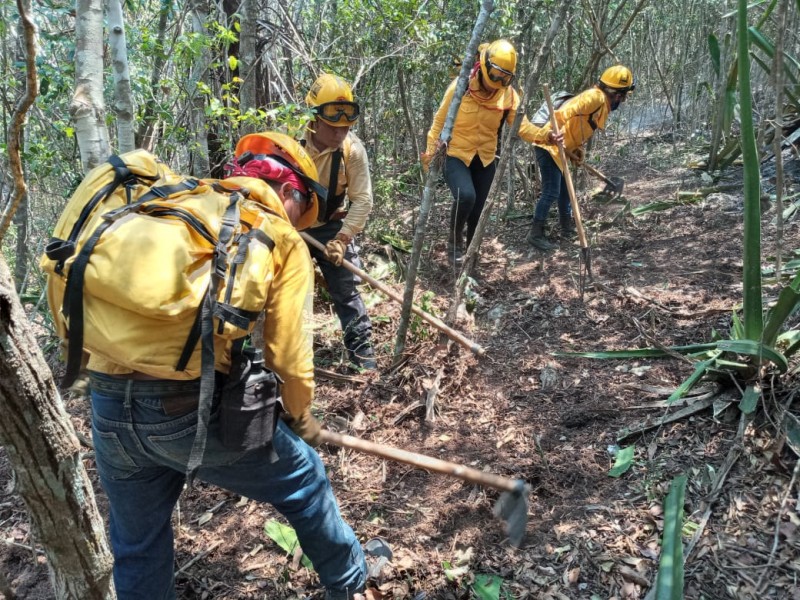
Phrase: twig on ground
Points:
(199, 556)
(776, 536)
(430, 397)
(693, 408)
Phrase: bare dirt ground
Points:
(670, 277)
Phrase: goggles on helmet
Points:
(499, 74)
(336, 111)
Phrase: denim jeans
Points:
(554, 187)
(141, 459)
(342, 286)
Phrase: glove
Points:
(334, 251)
(307, 427)
(577, 156)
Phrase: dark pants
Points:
(342, 286)
(470, 187)
(554, 188)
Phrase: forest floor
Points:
(667, 278)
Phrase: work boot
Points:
(455, 249)
(363, 356)
(536, 237)
(567, 227)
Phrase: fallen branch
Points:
(200, 556)
(430, 397)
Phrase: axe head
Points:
(614, 186)
(512, 507)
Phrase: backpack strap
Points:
(333, 202)
(219, 268)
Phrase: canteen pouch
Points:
(249, 403)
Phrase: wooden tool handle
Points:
(422, 461)
(576, 211)
(448, 331)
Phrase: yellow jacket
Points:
(353, 179)
(574, 119)
(287, 326)
(478, 122)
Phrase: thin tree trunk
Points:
(87, 109)
(487, 6)
(471, 255)
(123, 97)
(21, 215)
(248, 70)
(401, 87)
(200, 155)
(146, 136)
(35, 429)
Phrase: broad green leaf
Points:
(750, 399)
(699, 370)
(669, 583)
(713, 48)
(760, 351)
(487, 587)
(761, 41)
(286, 538)
(233, 62)
(624, 461)
(788, 301)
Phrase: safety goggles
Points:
(336, 111)
(499, 74)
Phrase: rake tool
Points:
(586, 257)
(511, 507)
(454, 335)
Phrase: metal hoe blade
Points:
(512, 507)
(614, 185)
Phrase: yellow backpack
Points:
(145, 263)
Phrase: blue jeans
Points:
(554, 188)
(141, 459)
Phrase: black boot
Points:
(455, 248)
(567, 227)
(536, 237)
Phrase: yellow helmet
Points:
(618, 78)
(332, 100)
(498, 64)
(290, 153)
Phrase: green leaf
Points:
(286, 538)
(487, 587)
(669, 584)
(233, 62)
(623, 463)
(699, 370)
(713, 48)
(760, 351)
(750, 399)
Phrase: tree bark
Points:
(87, 108)
(123, 97)
(146, 136)
(45, 455)
(248, 70)
(201, 165)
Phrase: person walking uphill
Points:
(469, 168)
(343, 166)
(577, 118)
(144, 423)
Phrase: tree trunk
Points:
(146, 136)
(45, 455)
(123, 98)
(88, 109)
(248, 71)
(200, 161)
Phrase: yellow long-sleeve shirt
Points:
(574, 119)
(353, 180)
(478, 122)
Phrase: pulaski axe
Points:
(511, 507)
